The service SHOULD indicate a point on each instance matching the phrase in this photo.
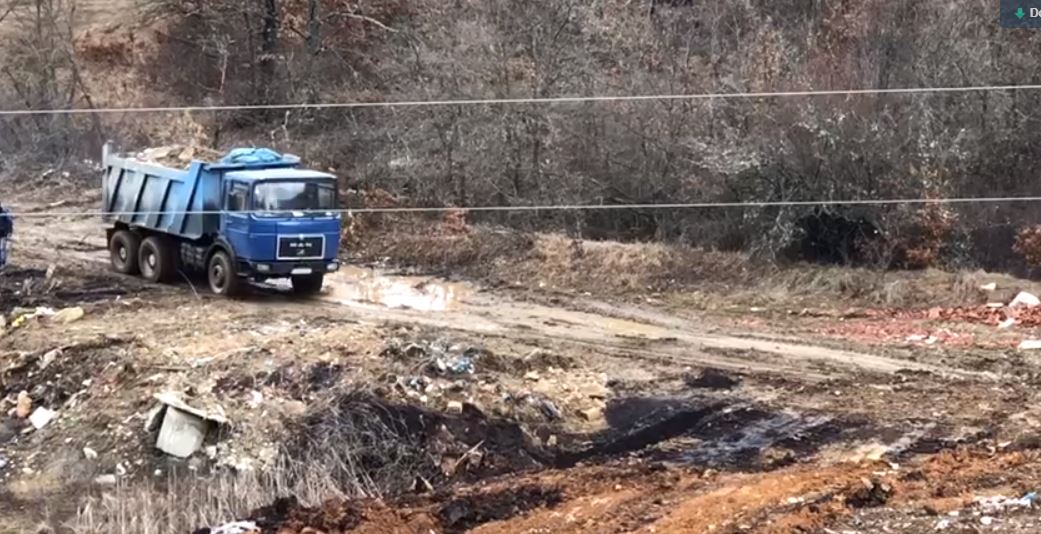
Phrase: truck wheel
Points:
(221, 273)
(122, 248)
(156, 260)
(308, 285)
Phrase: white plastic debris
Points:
(1030, 344)
(1007, 323)
(256, 398)
(989, 287)
(238, 527)
(1025, 300)
(90, 453)
(40, 417)
(986, 520)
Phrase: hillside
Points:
(772, 149)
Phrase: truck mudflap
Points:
(281, 269)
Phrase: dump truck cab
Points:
(281, 222)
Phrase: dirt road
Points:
(379, 296)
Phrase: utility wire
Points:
(551, 207)
(507, 101)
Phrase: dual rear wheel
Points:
(155, 259)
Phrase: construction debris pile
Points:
(179, 156)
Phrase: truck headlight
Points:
(263, 268)
(332, 266)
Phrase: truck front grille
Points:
(300, 248)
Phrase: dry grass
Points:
(690, 277)
(353, 447)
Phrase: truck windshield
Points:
(274, 198)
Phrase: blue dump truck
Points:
(253, 215)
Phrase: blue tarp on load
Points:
(251, 156)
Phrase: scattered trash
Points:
(995, 305)
(455, 407)
(3, 461)
(532, 375)
(40, 417)
(551, 441)
(48, 358)
(238, 527)
(458, 365)
(999, 503)
(68, 315)
(989, 287)
(1025, 300)
(1007, 323)
(106, 480)
(1030, 344)
(183, 428)
(256, 398)
(24, 405)
(869, 493)
(986, 520)
(90, 453)
(550, 409)
(41, 311)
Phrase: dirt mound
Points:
(179, 156)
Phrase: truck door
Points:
(236, 218)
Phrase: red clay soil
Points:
(654, 498)
(977, 314)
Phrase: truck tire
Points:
(156, 260)
(309, 284)
(220, 272)
(122, 251)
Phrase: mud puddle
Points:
(353, 285)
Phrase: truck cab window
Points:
(237, 198)
(286, 196)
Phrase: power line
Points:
(508, 101)
(559, 207)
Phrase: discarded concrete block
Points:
(41, 416)
(183, 427)
(1025, 300)
(181, 433)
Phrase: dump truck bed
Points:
(180, 202)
